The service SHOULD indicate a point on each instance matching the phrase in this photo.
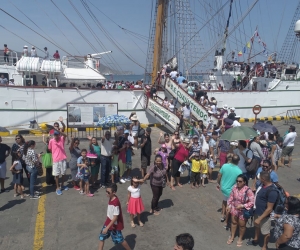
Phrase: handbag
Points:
(39, 168)
(172, 154)
(164, 183)
(247, 213)
(47, 160)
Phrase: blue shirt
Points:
(273, 176)
(263, 197)
(180, 79)
(84, 171)
(128, 154)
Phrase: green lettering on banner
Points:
(195, 108)
(205, 117)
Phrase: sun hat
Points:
(232, 108)
(25, 46)
(186, 140)
(134, 118)
(263, 142)
(225, 106)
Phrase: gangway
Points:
(165, 117)
(182, 96)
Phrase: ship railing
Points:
(292, 116)
(12, 58)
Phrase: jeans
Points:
(105, 168)
(157, 192)
(33, 176)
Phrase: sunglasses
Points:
(237, 181)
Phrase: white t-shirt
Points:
(235, 124)
(135, 192)
(241, 163)
(171, 107)
(106, 146)
(173, 74)
(18, 166)
(290, 139)
(186, 112)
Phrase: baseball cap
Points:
(195, 137)
(56, 132)
(126, 132)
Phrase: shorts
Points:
(59, 168)
(287, 151)
(195, 177)
(116, 236)
(114, 170)
(134, 133)
(225, 198)
(129, 165)
(3, 170)
(85, 179)
(203, 176)
(145, 161)
(265, 225)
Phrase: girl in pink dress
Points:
(134, 201)
(241, 197)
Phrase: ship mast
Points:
(158, 38)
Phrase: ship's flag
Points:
(248, 45)
(244, 50)
(240, 53)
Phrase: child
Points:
(47, 162)
(129, 154)
(164, 155)
(84, 173)
(134, 201)
(203, 168)
(113, 224)
(17, 172)
(114, 164)
(195, 170)
(95, 149)
(94, 170)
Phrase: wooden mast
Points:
(158, 39)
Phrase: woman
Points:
(175, 139)
(171, 106)
(287, 228)
(75, 153)
(19, 145)
(190, 90)
(165, 103)
(241, 197)
(181, 155)
(95, 149)
(134, 129)
(158, 177)
(31, 160)
(276, 154)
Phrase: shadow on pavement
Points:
(130, 240)
(165, 203)
(12, 203)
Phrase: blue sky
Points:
(272, 17)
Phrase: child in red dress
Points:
(134, 201)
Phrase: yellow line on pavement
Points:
(39, 232)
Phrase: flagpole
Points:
(252, 40)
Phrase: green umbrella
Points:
(238, 133)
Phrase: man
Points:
(56, 146)
(288, 145)
(213, 154)
(266, 166)
(3, 80)
(11, 82)
(184, 242)
(232, 115)
(6, 53)
(33, 52)
(245, 155)
(236, 122)
(173, 75)
(56, 55)
(186, 113)
(25, 51)
(56, 126)
(226, 180)
(180, 79)
(223, 150)
(266, 197)
(146, 151)
(4, 153)
(106, 145)
(46, 54)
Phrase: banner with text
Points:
(163, 113)
(183, 97)
(88, 114)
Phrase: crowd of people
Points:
(111, 156)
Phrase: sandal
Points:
(156, 213)
(141, 224)
(132, 224)
(90, 195)
(239, 243)
(22, 196)
(229, 241)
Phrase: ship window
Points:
(5, 75)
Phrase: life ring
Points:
(259, 71)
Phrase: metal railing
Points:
(292, 116)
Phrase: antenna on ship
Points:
(290, 51)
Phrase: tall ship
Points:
(42, 87)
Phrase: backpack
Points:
(253, 165)
(280, 201)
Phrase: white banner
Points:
(196, 108)
(88, 114)
(163, 113)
